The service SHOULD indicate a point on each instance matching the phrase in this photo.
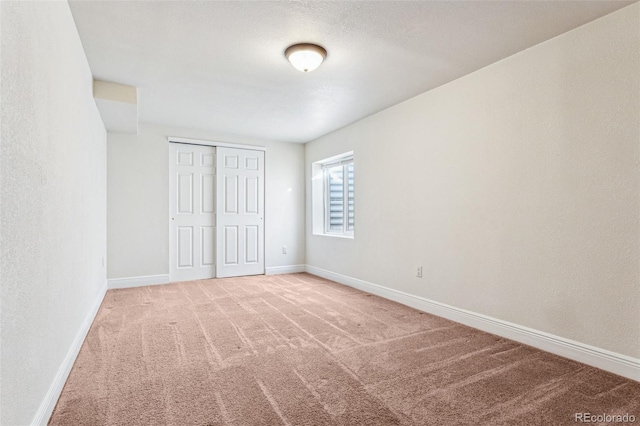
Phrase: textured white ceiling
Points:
(220, 65)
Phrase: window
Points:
(333, 196)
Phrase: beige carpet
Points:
(300, 350)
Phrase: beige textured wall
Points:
(53, 200)
(138, 199)
(515, 187)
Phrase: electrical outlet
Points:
(284, 249)
(419, 273)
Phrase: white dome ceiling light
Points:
(305, 56)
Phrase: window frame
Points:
(344, 161)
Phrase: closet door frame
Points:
(189, 141)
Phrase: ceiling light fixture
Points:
(305, 56)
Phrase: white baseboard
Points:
(51, 398)
(289, 269)
(622, 365)
(164, 279)
(138, 281)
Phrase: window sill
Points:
(348, 237)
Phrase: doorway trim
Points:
(189, 141)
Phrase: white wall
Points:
(515, 187)
(138, 199)
(53, 205)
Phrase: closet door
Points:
(240, 212)
(192, 210)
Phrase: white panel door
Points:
(192, 212)
(240, 212)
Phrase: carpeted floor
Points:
(300, 350)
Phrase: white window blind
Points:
(339, 196)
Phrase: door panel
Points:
(208, 193)
(208, 245)
(251, 195)
(230, 161)
(230, 245)
(185, 193)
(207, 159)
(251, 163)
(185, 158)
(192, 208)
(240, 212)
(185, 246)
(251, 243)
(230, 194)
